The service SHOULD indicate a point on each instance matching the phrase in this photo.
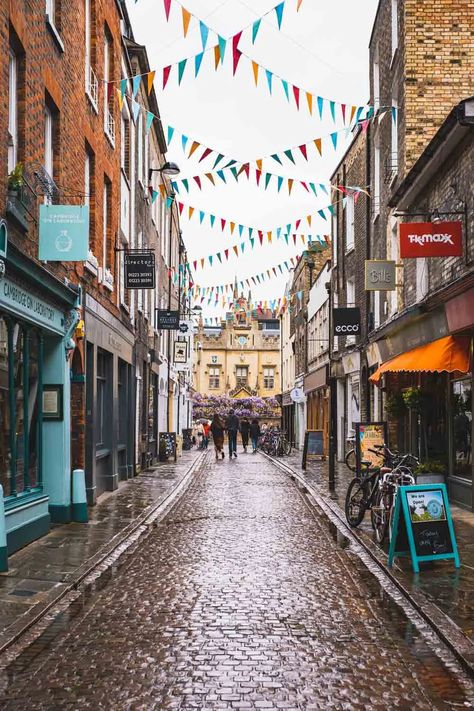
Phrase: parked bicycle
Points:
(363, 491)
(384, 505)
(274, 443)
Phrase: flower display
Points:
(205, 406)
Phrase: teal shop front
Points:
(37, 316)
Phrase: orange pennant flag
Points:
(290, 185)
(186, 19)
(236, 250)
(317, 143)
(190, 212)
(309, 218)
(232, 228)
(269, 237)
(120, 99)
(309, 99)
(255, 68)
(217, 55)
(298, 4)
(150, 79)
(353, 110)
(202, 263)
(194, 147)
(259, 163)
(303, 239)
(163, 190)
(210, 177)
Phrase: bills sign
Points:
(346, 322)
(431, 239)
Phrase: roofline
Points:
(375, 22)
(347, 151)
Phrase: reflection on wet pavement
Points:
(242, 598)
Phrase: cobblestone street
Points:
(240, 599)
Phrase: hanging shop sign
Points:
(313, 446)
(186, 327)
(431, 239)
(297, 395)
(139, 270)
(380, 275)
(346, 321)
(370, 436)
(167, 320)
(180, 352)
(422, 526)
(63, 233)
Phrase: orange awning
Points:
(446, 355)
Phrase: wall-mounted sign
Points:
(180, 352)
(297, 395)
(431, 239)
(313, 446)
(52, 402)
(64, 233)
(139, 270)
(380, 275)
(167, 320)
(19, 300)
(3, 238)
(346, 321)
(422, 525)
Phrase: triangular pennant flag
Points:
(279, 13)
(204, 33)
(269, 237)
(309, 219)
(135, 109)
(223, 222)
(190, 212)
(186, 18)
(269, 79)
(255, 68)
(218, 160)
(353, 110)
(343, 112)
(289, 155)
(298, 5)
(202, 263)
(241, 229)
(218, 255)
(259, 163)
(290, 185)
(260, 236)
(195, 265)
(323, 188)
(181, 68)
(217, 56)
(195, 146)
(197, 180)
(154, 195)
(232, 227)
(236, 250)
(221, 175)
(222, 46)
(276, 157)
(162, 188)
(286, 238)
(359, 113)
(258, 176)
(304, 185)
(252, 241)
(212, 219)
(297, 224)
(201, 216)
(331, 107)
(321, 213)
(226, 252)
(309, 99)
(280, 182)
(285, 89)
(197, 63)
(313, 188)
(210, 259)
(236, 51)
(268, 177)
(169, 201)
(186, 184)
(167, 8)
(255, 29)
(123, 88)
(210, 177)
(317, 143)
(170, 134)
(334, 139)
(206, 152)
(136, 85)
(166, 75)
(320, 106)
(184, 140)
(149, 121)
(242, 247)
(303, 150)
(296, 94)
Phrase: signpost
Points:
(139, 270)
(369, 434)
(167, 320)
(313, 446)
(422, 526)
(431, 239)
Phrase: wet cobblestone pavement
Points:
(239, 599)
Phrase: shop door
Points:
(460, 479)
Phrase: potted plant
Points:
(395, 405)
(162, 451)
(16, 201)
(432, 471)
(15, 179)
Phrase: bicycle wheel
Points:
(286, 446)
(355, 505)
(380, 520)
(350, 460)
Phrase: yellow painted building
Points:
(240, 357)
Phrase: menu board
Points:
(422, 525)
(370, 435)
(313, 446)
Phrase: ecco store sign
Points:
(431, 239)
(346, 322)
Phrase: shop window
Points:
(462, 427)
(102, 401)
(21, 362)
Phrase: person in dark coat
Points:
(217, 429)
(244, 432)
(232, 427)
(255, 434)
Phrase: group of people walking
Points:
(232, 425)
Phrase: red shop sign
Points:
(431, 239)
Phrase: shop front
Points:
(110, 398)
(288, 417)
(37, 318)
(317, 407)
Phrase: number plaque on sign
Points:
(167, 320)
(139, 270)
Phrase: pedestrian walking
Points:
(200, 434)
(232, 427)
(217, 429)
(254, 434)
(206, 429)
(244, 432)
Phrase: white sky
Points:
(322, 49)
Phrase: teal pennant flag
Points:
(170, 134)
(217, 161)
(279, 13)
(197, 63)
(255, 29)
(280, 182)
(186, 184)
(320, 106)
(269, 79)
(181, 68)
(289, 155)
(268, 177)
(285, 88)
(222, 46)
(149, 121)
(136, 85)
(204, 33)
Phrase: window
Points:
(349, 214)
(12, 111)
(394, 141)
(106, 228)
(269, 378)
(140, 149)
(394, 26)
(48, 141)
(241, 376)
(334, 238)
(376, 80)
(109, 123)
(101, 413)
(214, 377)
(376, 182)
(92, 84)
(350, 302)
(125, 142)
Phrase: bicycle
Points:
(384, 504)
(361, 494)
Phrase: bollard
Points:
(79, 499)
(3, 536)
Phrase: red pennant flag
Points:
(296, 93)
(260, 236)
(110, 89)
(166, 75)
(246, 168)
(206, 152)
(150, 190)
(304, 150)
(258, 175)
(304, 185)
(195, 264)
(297, 224)
(235, 49)
(294, 239)
(223, 224)
(343, 111)
(226, 252)
(167, 8)
(180, 207)
(198, 181)
(356, 195)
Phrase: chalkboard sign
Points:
(313, 446)
(187, 439)
(422, 526)
(169, 439)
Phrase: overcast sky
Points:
(322, 48)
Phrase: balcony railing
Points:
(21, 203)
(110, 126)
(92, 89)
(391, 167)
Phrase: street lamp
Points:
(169, 168)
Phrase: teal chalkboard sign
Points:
(422, 525)
(313, 446)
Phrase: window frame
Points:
(349, 218)
(12, 110)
